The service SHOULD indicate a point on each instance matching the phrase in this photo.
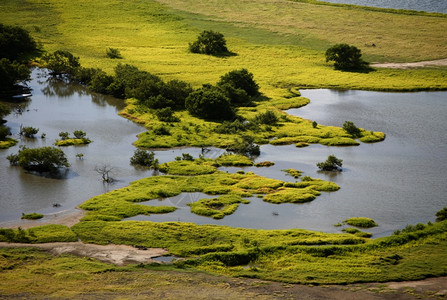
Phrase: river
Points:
(396, 182)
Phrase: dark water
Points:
(396, 182)
(439, 6)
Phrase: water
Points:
(439, 6)
(396, 182)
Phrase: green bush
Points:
(28, 131)
(441, 215)
(15, 42)
(143, 158)
(346, 58)
(268, 118)
(12, 73)
(209, 102)
(209, 42)
(240, 79)
(331, 164)
(39, 159)
(4, 132)
(113, 53)
(351, 129)
(166, 115)
(176, 91)
(61, 62)
(161, 130)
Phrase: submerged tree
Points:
(331, 164)
(45, 159)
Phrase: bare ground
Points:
(420, 64)
(206, 286)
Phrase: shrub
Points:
(39, 159)
(11, 73)
(100, 82)
(240, 79)
(209, 42)
(331, 164)
(64, 135)
(209, 102)
(351, 129)
(346, 58)
(268, 117)
(177, 91)
(228, 127)
(166, 115)
(161, 130)
(79, 134)
(113, 53)
(142, 158)
(4, 132)
(29, 131)
(158, 102)
(245, 145)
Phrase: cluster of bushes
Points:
(45, 159)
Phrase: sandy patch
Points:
(115, 254)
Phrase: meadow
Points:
(282, 43)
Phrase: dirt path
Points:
(420, 64)
(115, 254)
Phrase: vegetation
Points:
(442, 214)
(210, 103)
(60, 62)
(79, 138)
(209, 42)
(143, 158)
(40, 234)
(28, 131)
(361, 222)
(351, 129)
(346, 58)
(45, 159)
(113, 53)
(32, 216)
(331, 164)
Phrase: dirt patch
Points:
(115, 254)
(421, 64)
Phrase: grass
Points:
(9, 142)
(361, 222)
(32, 216)
(71, 142)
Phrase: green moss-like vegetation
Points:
(9, 142)
(264, 164)
(357, 232)
(40, 234)
(32, 216)
(217, 208)
(361, 222)
(234, 160)
(71, 142)
(293, 172)
(186, 167)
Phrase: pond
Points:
(396, 182)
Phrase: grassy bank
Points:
(282, 43)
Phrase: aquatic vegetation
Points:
(71, 142)
(32, 216)
(40, 234)
(7, 143)
(361, 222)
(217, 208)
(293, 172)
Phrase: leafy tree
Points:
(79, 134)
(39, 159)
(158, 102)
(4, 132)
(245, 145)
(441, 215)
(113, 53)
(61, 62)
(351, 129)
(209, 102)
(240, 79)
(12, 73)
(100, 82)
(209, 42)
(15, 42)
(142, 158)
(346, 58)
(4, 111)
(29, 131)
(331, 164)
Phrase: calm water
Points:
(422, 5)
(396, 182)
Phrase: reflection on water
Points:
(396, 182)
(421, 5)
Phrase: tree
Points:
(241, 79)
(28, 131)
(177, 91)
(245, 145)
(4, 132)
(105, 171)
(113, 53)
(331, 164)
(351, 129)
(45, 159)
(346, 58)
(441, 215)
(61, 62)
(209, 102)
(15, 42)
(209, 42)
(79, 134)
(11, 73)
(4, 111)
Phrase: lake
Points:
(439, 6)
(396, 182)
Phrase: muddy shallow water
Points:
(396, 182)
